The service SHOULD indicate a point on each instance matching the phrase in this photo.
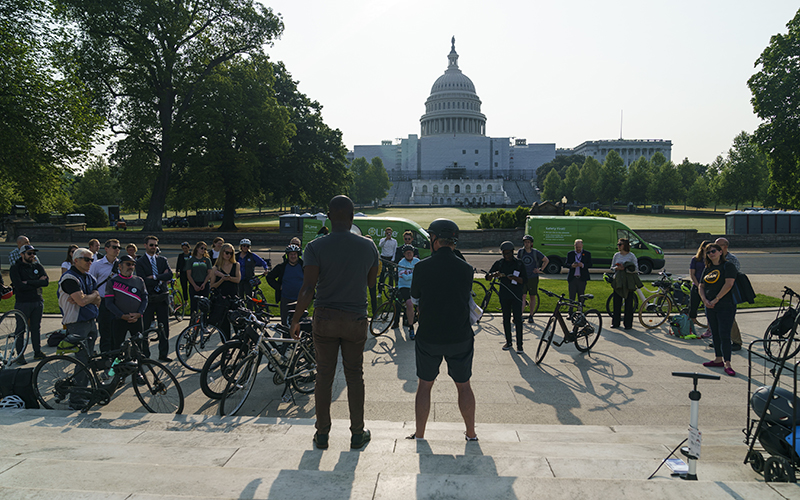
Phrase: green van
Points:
(555, 236)
(375, 228)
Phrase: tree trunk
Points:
(229, 212)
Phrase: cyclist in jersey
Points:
(405, 272)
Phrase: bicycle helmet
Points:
(445, 229)
(245, 241)
(407, 248)
(506, 245)
(527, 237)
(12, 401)
(293, 248)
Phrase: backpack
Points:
(681, 326)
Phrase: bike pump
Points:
(692, 451)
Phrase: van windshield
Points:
(630, 235)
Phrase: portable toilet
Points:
(289, 224)
(783, 223)
(735, 222)
(753, 222)
(794, 216)
(768, 222)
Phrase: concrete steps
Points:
(46, 454)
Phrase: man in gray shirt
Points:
(340, 267)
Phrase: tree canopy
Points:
(370, 180)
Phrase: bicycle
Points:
(389, 313)
(782, 331)
(257, 302)
(586, 325)
(177, 304)
(65, 383)
(672, 293)
(198, 340)
(9, 324)
(296, 370)
(494, 288)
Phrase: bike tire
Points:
(545, 340)
(55, 385)
(303, 370)
(219, 367)
(382, 319)
(478, 292)
(610, 304)
(178, 306)
(657, 308)
(487, 314)
(240, 384)
(161, 391)
(10, 322)
(588, 335)
(782, 347)
(195, 344)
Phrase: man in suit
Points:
(155, 271)
(578, 261)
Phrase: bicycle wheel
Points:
(13, 326)
(782, 346)
(161, 392)
(178, 305)
(219, 367)
(62, 383)
(545, 340)
(588, 334)
(195, 344)
(303, 370)
(657, 309)
(382, 319)
(478, 292)
(240, 384)
(610, 304)
(487, 314)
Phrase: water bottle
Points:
(275, 354)
(115, 363)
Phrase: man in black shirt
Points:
(443, 284)
(29, 277)
(513, 278)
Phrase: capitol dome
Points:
(453, 106)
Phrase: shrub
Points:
(585, 212)
(95, 216)
(503, 219)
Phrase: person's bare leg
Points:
(410, 313)
(422, 406)
(466, 403)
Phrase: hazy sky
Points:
(549, 72)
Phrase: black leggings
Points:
(512, 304)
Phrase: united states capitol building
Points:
(453, 162)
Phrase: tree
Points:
(689, 173)
(612, 176)
(96, 185)
(571, 176)
(370, 180)
(637, 182)
(46, 121)
(699, 195)
(586, 187)
(666, 183)
(715, 181)
(560, 164)
(553, 186)
(776, 100)
(238, 133)
(746, 170)
(146, 60)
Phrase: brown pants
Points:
(736, 335)
(335, 329)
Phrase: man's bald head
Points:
(723, 243)
(22, 240)
(340, 210)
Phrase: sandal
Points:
(414, 436)
(470, 438)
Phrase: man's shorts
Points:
(405, 293)
(532, 286)
(458, 357)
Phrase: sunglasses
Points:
(86, 259)
(226, 252)
(245, 246)
(152, 244)
(115, 247)
(30, 253)
(129, 264)
(202, 248)
(711, 251)
(620, 244)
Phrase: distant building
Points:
(629, 149)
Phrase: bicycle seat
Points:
(588, 296)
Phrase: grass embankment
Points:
(598, 288)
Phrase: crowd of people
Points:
(112, 296)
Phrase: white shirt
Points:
(388, 247)
(101, 270)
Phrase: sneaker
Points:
(507, 347)
(360, 440)
(519, 350)
(39, 355)
(21, 360)
(65, 347)
(736, 347)
(321, 441)
(411, 333)
(530, 318)
(706, 334)
(165, 359)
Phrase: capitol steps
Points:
(139, 456)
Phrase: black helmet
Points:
(445, 229)
(527, 237)
(506, 245)
(407, 248)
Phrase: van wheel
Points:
(645, 267)
(553, 267)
